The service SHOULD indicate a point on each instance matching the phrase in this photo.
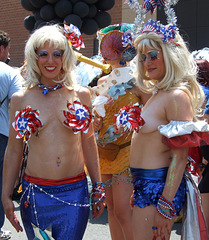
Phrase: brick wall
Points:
(12, 21)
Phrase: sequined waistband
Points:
(152, 174)
(52, 182)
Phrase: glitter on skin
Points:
(172, 172)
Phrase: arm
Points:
(12, 162)
(91, 157)
(178, 108)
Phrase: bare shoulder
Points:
(83, 94)
(17, 98)
(178, 106)
(102, 79)
(178, 97)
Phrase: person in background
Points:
(10, 82)
(53, 116)
(114, 147)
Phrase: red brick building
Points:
(193, 19)
(12, 21)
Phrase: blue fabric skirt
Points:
(63, 209)
(149, 184)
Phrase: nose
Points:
(147, 61)
(50, 57)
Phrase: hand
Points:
(117, 129)
(110, 100)
(97, 123)
(162, 224)
(98, 209)
(10, 214)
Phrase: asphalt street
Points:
(97, 229)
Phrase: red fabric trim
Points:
(188, 140)
(196, 154)
(201, 219)
(52, 182)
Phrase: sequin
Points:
(65, 208)
(149, 184)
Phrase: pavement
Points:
(97, 229)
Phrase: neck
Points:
(47, 89)
(117, 66)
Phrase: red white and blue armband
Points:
(98, 192)
(183, 134)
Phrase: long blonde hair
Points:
(181, 69)
(52, 34)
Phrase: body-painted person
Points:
(53, 116)
(159, 151)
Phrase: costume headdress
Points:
(167, 32)
(116, 42)
(74, 37)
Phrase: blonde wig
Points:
(52, 34)
(181, 69)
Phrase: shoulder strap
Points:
(3, 101)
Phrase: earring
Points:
(62, 71)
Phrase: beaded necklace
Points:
(48, 89)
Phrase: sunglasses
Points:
(44, 53)
(152, 55)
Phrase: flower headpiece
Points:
(116, 42)
(167, 32)
(73, 35)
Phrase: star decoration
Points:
(168, 32)
(26, 122)
(78, 117)
(123, 118)
(22, 123)
(81, 114)
(129, 117)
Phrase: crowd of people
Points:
(131, 134)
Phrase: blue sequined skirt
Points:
(64, 209)
(149, 184)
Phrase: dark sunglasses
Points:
(152, 55)
(44, 53)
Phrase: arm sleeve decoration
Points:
(185, 133)
(78, 117)
(130, 118)
(26, 122)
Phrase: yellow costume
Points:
(121, 162)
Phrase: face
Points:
(153, 63)
(49, 63)
(4, 53)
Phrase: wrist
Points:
(98, 192)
